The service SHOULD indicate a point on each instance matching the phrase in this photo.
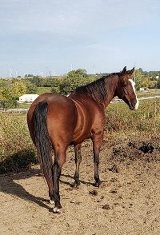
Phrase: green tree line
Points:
(11, 89)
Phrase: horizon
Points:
(100, 36)
(62, 75)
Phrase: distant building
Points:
(28, 98)
(145, 89)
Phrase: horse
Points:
(55, 122)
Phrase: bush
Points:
(10, 103)
(16, 149)
(19, 161)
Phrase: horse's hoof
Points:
(51, 202)
(56, 210)
(75, 184)
(97, 184)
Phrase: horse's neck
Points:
(102, 91)
(111, 86)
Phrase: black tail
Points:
(42, 140)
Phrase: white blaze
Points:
(133, 86)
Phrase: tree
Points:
(37, 81)
(7, 100)
(18, 88)
(79, 73)
(6, 94)
(56, 83)
(74, 79)
(138, 78)
(67, 86)
(11, 92)
(30, 88)
(158, 83)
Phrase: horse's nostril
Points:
(135, 104)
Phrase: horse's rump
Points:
(61, 117)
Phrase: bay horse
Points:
(56, 121)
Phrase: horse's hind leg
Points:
(97, 142)
(56, 176)
(56, 173)
(49, 181)
(78, 159)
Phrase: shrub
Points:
(16, 149)
(19, 161)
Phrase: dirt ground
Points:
(128, 201)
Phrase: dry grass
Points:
(146, 119)
(15, 140)
(16, 149)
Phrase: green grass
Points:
(23, 105)
(41, 90)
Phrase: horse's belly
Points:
(84, 123)
(81, 133)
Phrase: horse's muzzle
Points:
(134, 105)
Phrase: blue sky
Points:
(55, 36)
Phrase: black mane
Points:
(97, 89)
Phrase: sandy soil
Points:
(128, 201)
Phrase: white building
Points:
(29, 98)
(145, 89)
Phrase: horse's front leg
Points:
(97, 142)
(78, 159)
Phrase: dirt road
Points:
(128, 201)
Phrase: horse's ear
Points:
(131, 71)
(124, 69)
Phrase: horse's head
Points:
(126, 88)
